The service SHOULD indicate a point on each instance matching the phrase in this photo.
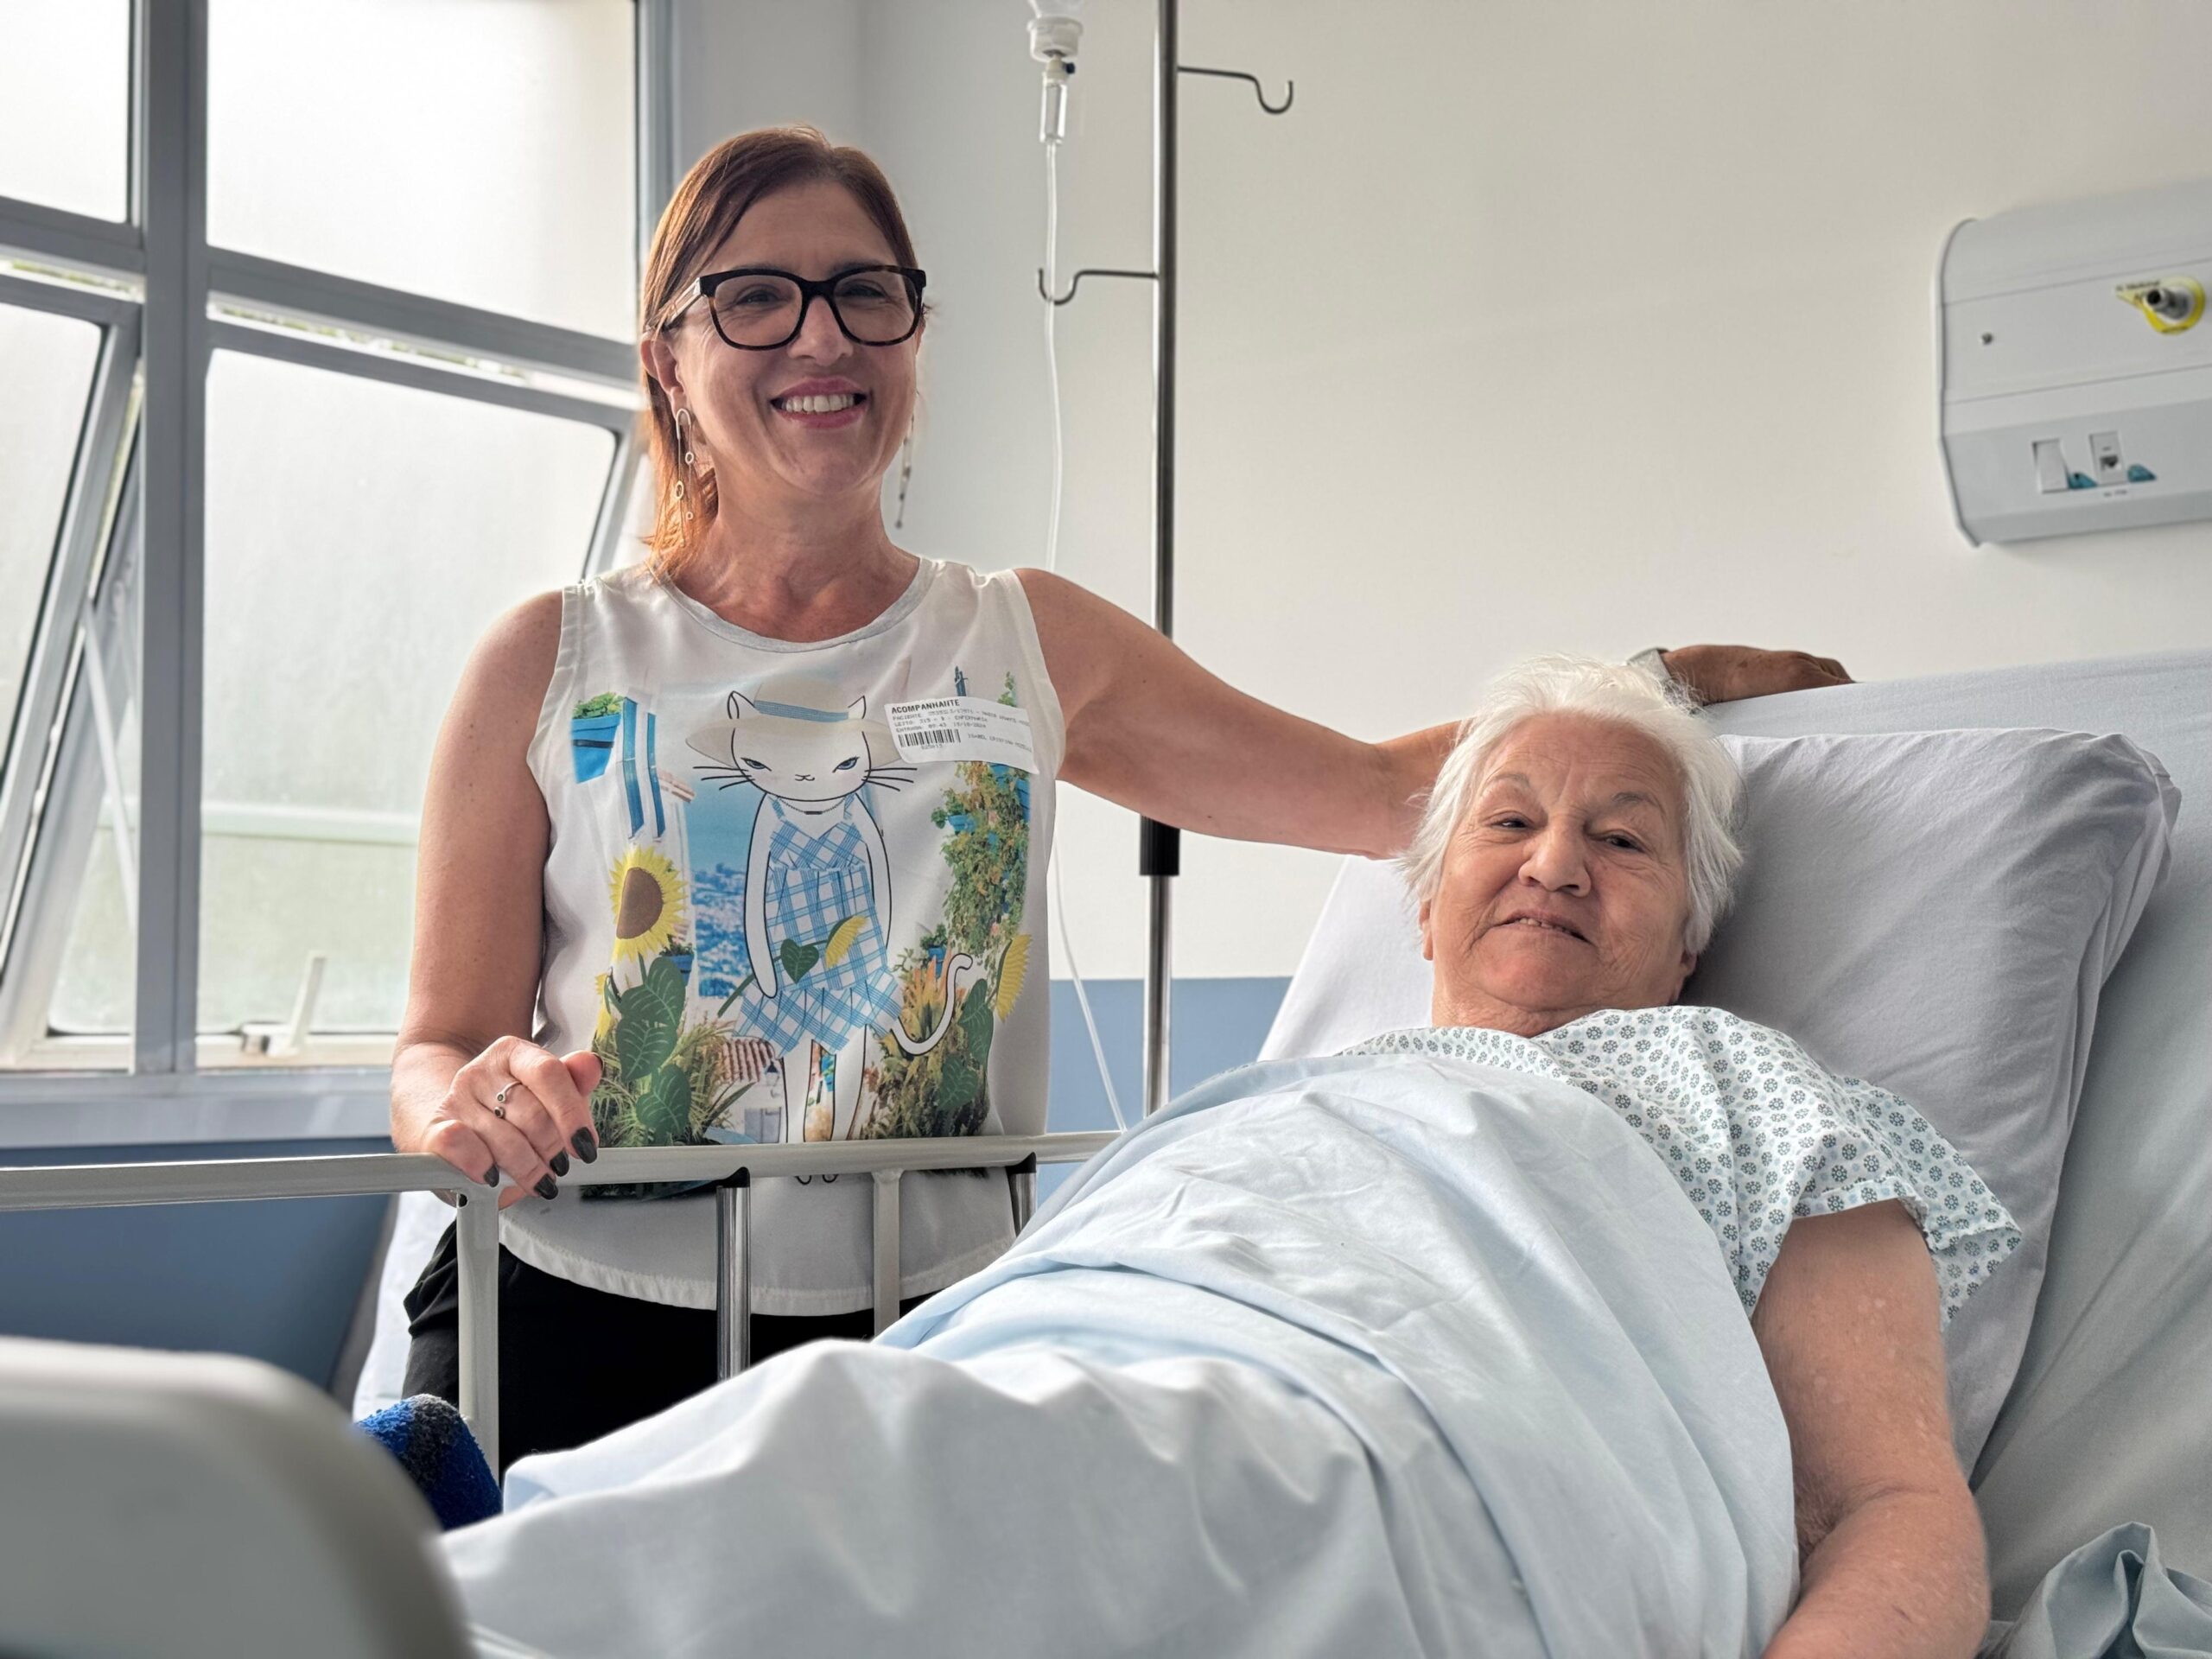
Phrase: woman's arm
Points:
(1731, 673)
(1890, 1545)
(472, 982)
(1149, 729)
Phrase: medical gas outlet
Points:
(2061, 412)
(2169, 304)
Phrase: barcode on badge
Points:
(963, 729)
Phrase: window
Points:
(478, 151)
(65, 105)
(417, 398)
(50, 361)
(94, 995)
(359, 538)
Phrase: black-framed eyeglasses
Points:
(758, 309)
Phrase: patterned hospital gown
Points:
(1756, 1132)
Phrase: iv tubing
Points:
(1052, 563)
(1051, 349)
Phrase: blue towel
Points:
(434, 1445)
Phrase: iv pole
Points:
(1159, 845)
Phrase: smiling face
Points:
(813, 423)
(1565, 888)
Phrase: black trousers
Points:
(575, 1363)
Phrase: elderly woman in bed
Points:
(1573, 858)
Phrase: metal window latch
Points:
(280, 1040)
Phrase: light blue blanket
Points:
(1372, 1354)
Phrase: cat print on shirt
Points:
(768, 983)
(816, 897)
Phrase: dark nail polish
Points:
(491, 1176)
(587, 1147)
(558, 1163)
(545, 1187)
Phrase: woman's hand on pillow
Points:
(1729, 673)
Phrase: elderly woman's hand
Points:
(1728, 673)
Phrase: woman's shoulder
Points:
(521, 645)
(628, 584)
(618, 603)
(956, 581)
(505, 680)
(531, 629)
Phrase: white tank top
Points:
(795, 893)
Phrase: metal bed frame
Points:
(729, 1171)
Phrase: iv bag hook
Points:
(1289, 87)
(1289, 91)
(1077, 282)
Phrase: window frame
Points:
(129, 538)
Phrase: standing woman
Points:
(695, 865)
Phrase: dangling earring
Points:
(686, 455)
(906, 475)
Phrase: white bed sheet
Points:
(1335, 1356)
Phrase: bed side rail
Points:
(731, 1171)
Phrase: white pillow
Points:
(1936, 911)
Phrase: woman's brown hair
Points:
(706, 207)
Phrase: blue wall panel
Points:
(274, 1280)
(1213, 1023)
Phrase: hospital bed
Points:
(2105, 1424)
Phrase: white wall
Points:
(756, 63)
(1531, 327)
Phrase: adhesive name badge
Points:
(963, 729)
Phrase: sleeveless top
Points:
(794, 893)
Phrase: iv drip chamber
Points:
(1055, 33)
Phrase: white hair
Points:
(1621, 695)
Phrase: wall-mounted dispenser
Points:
(2076, 365)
